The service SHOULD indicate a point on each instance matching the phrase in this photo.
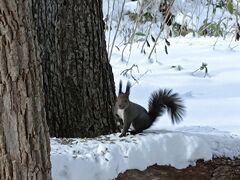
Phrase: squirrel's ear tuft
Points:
(128, 87)
(120, 87)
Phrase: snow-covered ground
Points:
(210, 128)
(105, 157)
(212, 101)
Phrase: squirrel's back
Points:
(140, 118)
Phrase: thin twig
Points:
(110, 26)
(160, 32)
(117, 29)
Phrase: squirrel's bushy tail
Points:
(165, 99)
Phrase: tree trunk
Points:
(78, 79)
(24, 138)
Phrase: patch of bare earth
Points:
(216, 169)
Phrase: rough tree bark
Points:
(78, 79)
(24, 137)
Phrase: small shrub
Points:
(146, 17)
(211, 29)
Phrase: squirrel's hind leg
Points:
(133, 132)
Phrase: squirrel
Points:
(137, 116)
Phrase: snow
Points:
(210, 128)
(106, 156)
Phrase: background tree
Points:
(78, 80)
(24, 138)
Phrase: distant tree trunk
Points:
(24, 137)
(78, 79)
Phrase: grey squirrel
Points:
(137, 116)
